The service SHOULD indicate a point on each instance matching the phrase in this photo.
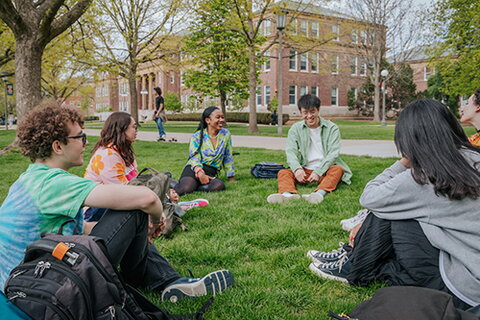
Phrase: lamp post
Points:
(5, 80)
(281, 21)
(384, 74)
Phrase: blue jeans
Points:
(161, 129)
(125, 234)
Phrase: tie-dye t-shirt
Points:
(39, 201)
(217, 156)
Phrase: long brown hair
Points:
(113, 135)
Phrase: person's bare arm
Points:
(122, 197)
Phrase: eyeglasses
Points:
(83, 136)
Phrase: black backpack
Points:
(71, 277)
(266, 169)
(405, 302)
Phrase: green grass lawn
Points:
(350, 130)
(263, 244)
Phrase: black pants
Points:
(189, 182)
(398, 253)
(125, 233)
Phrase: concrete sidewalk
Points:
(374, 148)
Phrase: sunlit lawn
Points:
(263, 244)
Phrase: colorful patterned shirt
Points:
(475, 139)
(39, 201)
(222, 154)
(107, 166)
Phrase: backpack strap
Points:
(148, 169)
(75, 228)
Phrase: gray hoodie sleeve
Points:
(394, 195)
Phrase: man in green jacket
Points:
(313, 154)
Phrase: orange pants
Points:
(328, 182)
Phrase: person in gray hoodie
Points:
(424, 225)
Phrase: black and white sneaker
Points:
(334, 255)
(336, 270)
(213, 283)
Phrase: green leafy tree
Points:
(172, 102)
(436, 90)
(34, 25)
(401, 86)
(219, 67)
(457, 57)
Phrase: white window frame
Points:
(267, 64)
(293, 57)
(334, 90)
(294, 95)
(303, 90)
(269, 95)
(293, 26)
(336, 63)
(172, 77)
(314, 61)
(354, 59)
(336, 32)
(259, 96)
(315, 32)
(363, 67)
(355, 36)
(363, 37)
(267, 26)
(304, 59)
(303, 28)
(316, 90)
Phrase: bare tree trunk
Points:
(132, 88)
(28, 74)
(376, 96)
(252, 82)
(223, 105)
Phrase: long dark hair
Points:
(203, 125)
(428, 134)
(113, 134)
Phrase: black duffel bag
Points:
(266, 169)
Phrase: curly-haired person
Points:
(46, 195)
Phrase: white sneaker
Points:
(348, 224)
(313, 197)
(280, 197)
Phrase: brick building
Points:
(321, 55)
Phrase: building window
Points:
(181, 79)
(427, 72)
(303, 90)
(335, 64)
(334, 96)
(172, 77)
(314, 61)
(363, 67)
(354, 36)
(292, 95)
(267, 94)
(259, 95)
(314, 29)
(293, 26)
(304, 62)
(336, 32)
(354, 66)
(267, 63)
(314, 91)
(353, 94)
(293, 60)
(267, 25)
(363, 37)
(303, 28)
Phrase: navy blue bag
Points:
(266, 169)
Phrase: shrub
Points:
(91, 118)
(262, 118)
(172, 102)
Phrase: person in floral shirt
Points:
(470, 114)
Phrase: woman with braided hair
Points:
(210, 150)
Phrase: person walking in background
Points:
(470, 114)
(210, 150)
(159, 115)
(313, 154)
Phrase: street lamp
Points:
(4, 76)
(281, 22)
(384, 74)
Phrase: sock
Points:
(322, 192)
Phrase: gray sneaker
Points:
(279, 197)
(213, 283)
(313, 197)
(324, 257)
